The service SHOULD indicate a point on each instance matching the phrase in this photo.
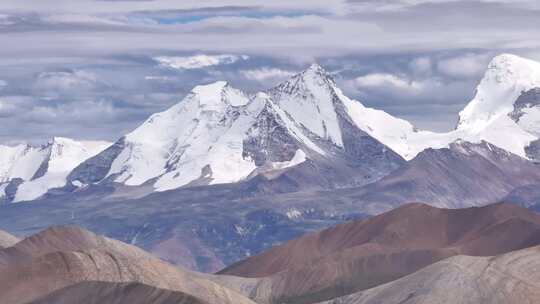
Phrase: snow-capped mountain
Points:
(505, 112)
(303, 128)
(218, 134)
(27, 172)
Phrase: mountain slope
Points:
(462, 175)
(363, 254)
(508, 278)
(117, 293)
(28, 172)
(61, 257)
(218, 134)
(7, 240)
(62, 238)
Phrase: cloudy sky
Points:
(96, 69)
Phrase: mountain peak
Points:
(314, 78)
(317, 68)
(309, 97)
(214, 87)
(219, 92)
(58, 140)
(506, 78)
(508, 60)
(317, 73)
(506, 68)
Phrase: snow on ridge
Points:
(202, 136)
(308, 97)
(21, 161)
(62, 155)
(177, 144)
(507, 77)
(53, 161)
(200, 139)
(485, 118)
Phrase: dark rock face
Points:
(11, 189)
(464, 175)
(96, 168)
(533, 150)
(526, 100)
(527, 196)
(364, 152)
(269, 140)
(43, 167)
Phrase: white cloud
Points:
(81, 112)
(66, 80)
(266, 73)
(11, 105)
(421, 66)
(388, 80)
(3, 84)
(469, 65)
(78, 18)
(5, 20)
(157, 78)
(108, 7)
(198, 61)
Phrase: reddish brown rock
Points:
(60, 257)
(363, 254)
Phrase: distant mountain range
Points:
(28, 172)
(224, 175)
(305, 127)
(219, 134)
